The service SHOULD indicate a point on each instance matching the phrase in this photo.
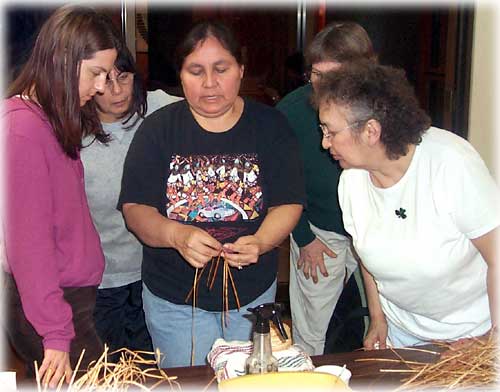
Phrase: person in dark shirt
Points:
(212, 176)
(321, 260)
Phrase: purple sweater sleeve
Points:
(31, 242)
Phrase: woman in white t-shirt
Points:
(420, 205)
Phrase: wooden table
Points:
(366, 375)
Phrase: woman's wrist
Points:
(266, 243)
(377, 317)
(172, 233)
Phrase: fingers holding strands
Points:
(196, 245)
(243, 252)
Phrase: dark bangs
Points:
(139, 105)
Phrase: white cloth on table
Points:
(228, 358)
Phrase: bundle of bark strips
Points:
(474, 367)
(132, 371)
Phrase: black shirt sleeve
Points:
(283, 164)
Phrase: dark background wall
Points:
(22, 25)
(394, 33)
(432, 45)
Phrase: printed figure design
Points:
(215, 188)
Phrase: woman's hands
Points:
(463, 344)
(311, 259)
(277, 225)
(243, 252)
(376, 336)
(196, 245)
(55, 366)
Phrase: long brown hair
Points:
(52, 72)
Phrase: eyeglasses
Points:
(327, 133)
(314, 74)
(122, 78)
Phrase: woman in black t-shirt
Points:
(214, 175)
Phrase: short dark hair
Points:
(340, 42)
(199, 33)
(125, 63)
(383, 93)
(70, 35)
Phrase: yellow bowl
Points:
(284, 381)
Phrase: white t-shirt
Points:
(430, 277)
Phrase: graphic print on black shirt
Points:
(214, 188)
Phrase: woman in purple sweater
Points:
(54, 257)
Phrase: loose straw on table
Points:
(476, 366)
(37, 376)
(210, 383)
(108, 376)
